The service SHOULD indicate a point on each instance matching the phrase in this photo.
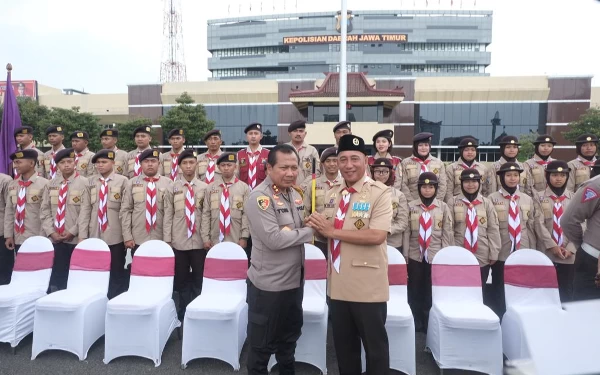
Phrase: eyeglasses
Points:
(382, 172)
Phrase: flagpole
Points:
(343, 65)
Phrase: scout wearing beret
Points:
(535, 167)
(340, 129)
(509, 149)
(467, 149)
(55, 136)
(382, 140)
(252, 160)
(307, 153)
(207, 162)
(61, 214)
(7, 256)
(83, 156)
(420, 162)
(24, 139)
(586, 146)
(168, 160)
(142, 136)
(109, 139)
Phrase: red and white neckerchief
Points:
(338, 223)
(331, 183)
(225, 211)
(59, 220)
(425, 228)
(544, 163)
(102, 204)
(20, 207)
(151, 206)
(209, 176)
(423, 164)
(190, 209)
(465, 166)
(137, 168)
(557, 212)
(174, 166)
(587, 163)
(77, 156)
(52, 165)
(471, 232)
(514, 222)
(253, 162)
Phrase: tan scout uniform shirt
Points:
(39, 168)
(121, 162)
(203, 166)
(488, 233)
(175, 228)
(397, 170)
(411, 171)
(307, 154)
(131, 162)
(46, 162)
(74, 222)
(33, 223)
(238, 195)
(528, 216)
(491, 183)
(116, 190)
(84, 164)
(399, 218)
(363, 275)
(453, 172)
(278, 237)
(5, 181)
(442, 233)
(165, 160)
(537, 173)
(578, 212)
(579, 174)
(544, 230)
(322, 186)
(133, 209)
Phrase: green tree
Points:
(589, 122)
(36, 116)
(73, 120)
(189, 117)
(126, 129)
(527, 149)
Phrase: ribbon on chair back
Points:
(397, 274)
(455, 275)
(153, 266)
(530, 276)
(34, 261)
(90, 260)
(315, 269)
(225, 269)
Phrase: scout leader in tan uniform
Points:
(169, 159)
(223, 216)
(24, 139)
(550, 235)
(60, 214)
(103, 208)
(586, 146)
(109, 139)
(475, 222)
(340, 129)
(181, 229)
(83, 156)
(420, 162)
(536, 166)
(307, 153)
(382, 140)
(509, 148)
(208, 170)
(517, 217)
(468, 160)
(142, 135)
(141, 221)
(429, 231)
(358, 287)
(55, 136)
(276, 274)
(7, 256)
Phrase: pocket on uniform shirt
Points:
(412, 171)
(368, 263)
(138, 194)
(439, 221)
(13, 196)
(202, 167)
(459, 214)
(237, 206)
(75, 197)
(34, 196)
(179, 202)
(215, 201)
(200, 199)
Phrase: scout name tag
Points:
(361, 209)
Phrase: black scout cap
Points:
(427, 178)
(558, 166)
(351, 142)
(327, 153)
(227, 157)
(468, 142)
(470, 174)
(175, 132)
(25, 154)
(210, 133)
(142, 129)
(63, 154)
(342, 125)
(509, 140)
(186, 154)
(300, 124)
(544, 138)
(382, 162)
(79, 134)
(149, 154)
(25, 129)
(253, 126)
(110, 133)
(422, 138)
(509, 167)
(54, 129)
(103, 154)
(585, 138)
(389, 134)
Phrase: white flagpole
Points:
(343, 64)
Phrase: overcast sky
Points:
(100, 46)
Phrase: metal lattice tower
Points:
(172, 67)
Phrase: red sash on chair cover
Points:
(34, 261)
(397, 274)
(153, 266)
(315, 269)
(455, 275)
(530, 276)
(225, 269)
(90, 260)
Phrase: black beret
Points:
(585, 138)
(428, 178)
(142, 129)
(80, 134)
(25, 129)
(296, 125)
(382, 162)
(509, 167)
(596, 164)
(110, 133)
(25, 154)
(150, 153)
(342, 125)
(468, 142)
(544, 138)
(54, 129)
(103, 154)
(227, 157)
(509, 140)
(470, 174)
(210, 133)
(389, 134)
(254, 126)
(558, 166)
(350, 142)
(328, 152)
(186, 154)
(174, 132)
(422, 137)
(63, 154)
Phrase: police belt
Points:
(590, 250)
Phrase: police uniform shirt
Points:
(48, 155)
(121, 162)
(397, 170)
(131, 155)
(399, 218)
(32, 222)
(545, 241)
(84, 163)
(165, 161)
(39, 168)
(491, 183)
(537, 173)
(411, 171)
(488, 232)
(203, 161)
(579, 174)
(584, 207)
(116, 190)
(5, 181)
(363, 273)
(78, 187)
(175, 228)
(238, 195)
(453, 172)
(442, 233)
(308, 154)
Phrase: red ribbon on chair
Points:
(226, 269)
(153, 266)
(315, 269)
(397, 274)
(90, 260)
(530, 276)
(455, 275)
(34, 261)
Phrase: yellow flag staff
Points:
(313, 189)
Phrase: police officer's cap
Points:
(25, 154)
(300, 124)
(143, 129)
(585, 138)
(351, 142)
(25, 129)
(382, 162)
(210, 133)
(509, 167)
(428, 178)
(468, 142)
(103, 154)
(342, 125)
(80, 134)
(227, 157)
(186, 154)
(54, 129)
(558, 166)
(327, 153)
(254, 126)
(470, 174)
(110, 133)
(388, 134)
(63, 154)
(544, 138)
(175, 132)
(149, 154)
(422, 138)
(509, 140)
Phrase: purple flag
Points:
(11, 119)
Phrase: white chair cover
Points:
(529, 283)
(73, 319)
(311, 347)
(140, 321)
(215, 322)
(29, 282)
(462, 333)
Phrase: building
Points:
(385, 43)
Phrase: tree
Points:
(73, 120)
(589, 122)
(126, 129)
(189, 117)
(36, 116)
(527, 148)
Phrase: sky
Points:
(101, 46)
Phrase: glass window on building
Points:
(354, 113)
